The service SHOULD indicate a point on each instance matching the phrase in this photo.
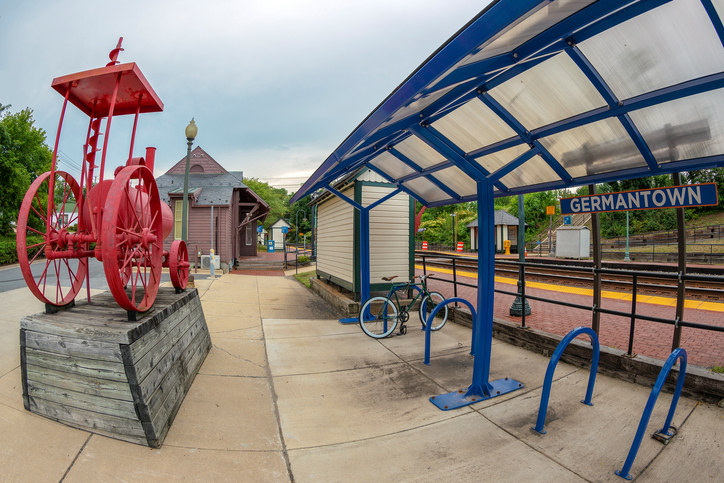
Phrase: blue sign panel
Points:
(270, 246)
(259, 229)
(567, 220)
(285, 229)
(653, 199)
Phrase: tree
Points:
(276, 198)
(23, 157)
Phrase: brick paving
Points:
(704, 348)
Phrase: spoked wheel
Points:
(378, 317)
(54, 281)
(131, 238)
(433, 300)
(178, 264)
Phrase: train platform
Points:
(287, 393)
(651, 338)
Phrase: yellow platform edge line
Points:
(644, 299)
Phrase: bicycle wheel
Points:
(378, 317)
(433, 299)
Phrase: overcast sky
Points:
(274, 86)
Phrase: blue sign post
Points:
(652, 199)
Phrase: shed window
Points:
(249, 235)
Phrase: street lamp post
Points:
(455, 230)
(191, 131)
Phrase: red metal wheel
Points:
(178, 264)
(54, 280)
(131, 236)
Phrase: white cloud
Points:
(274, 86)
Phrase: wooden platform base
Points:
(89, 368)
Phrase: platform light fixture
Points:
(191, 131)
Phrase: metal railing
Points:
(632, 315)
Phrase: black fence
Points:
(679, 278)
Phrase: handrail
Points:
(548, 381)
(646, 416)
(431, 317)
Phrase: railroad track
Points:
(650, 285)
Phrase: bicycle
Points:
(379, 316)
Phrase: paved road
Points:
(11, 277)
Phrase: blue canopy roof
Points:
(536, 95)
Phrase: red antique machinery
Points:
(121, 222)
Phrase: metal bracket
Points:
(666, 437)
(676, 322)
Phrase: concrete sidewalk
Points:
(289, 394)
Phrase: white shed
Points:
(338, 233)
(506, 228)
(276, 233)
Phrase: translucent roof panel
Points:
(417, 105)
(551, 91)
(538, 20)
(420, 153)
(687, 128)
(594, 148)
(473, 126)
(458, 181)
(426, 190)
(495, 161)
(665, 46)
(391, 165)
(534, 171)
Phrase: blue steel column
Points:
(483, 326)
(481, 387)
(364, 243)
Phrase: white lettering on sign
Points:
(677, 196)
(596, 204)
(575, 205)
(661, 195)
(620, 202)
(696, 196)
(646, 194)
(585, 206)
(607, 202)
(634, 200)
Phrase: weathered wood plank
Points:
(159, 370)
(191, 360)
(147, 363)
(88, 420)
(69, 346)
(98, 404)
(79, 383)
(111, 371)
(139, 348)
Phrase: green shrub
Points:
(9, 251)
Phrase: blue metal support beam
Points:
(515, 164)
(430, 170)
(405, 160)
(714, 17)
(521, 131)
(481, 387)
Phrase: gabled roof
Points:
(502, 217)
(279, 223)
(201, 158)
(534, 95)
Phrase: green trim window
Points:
(178, 214)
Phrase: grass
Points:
(304, 278)
(718, 369)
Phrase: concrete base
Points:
(89, 368)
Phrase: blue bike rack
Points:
(552, 368)
(431, 317)
(677, 354)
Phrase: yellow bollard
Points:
(506, 245)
